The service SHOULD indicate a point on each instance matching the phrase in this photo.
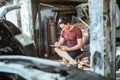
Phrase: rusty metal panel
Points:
(97, 36)
(113, 37)
(100, 40)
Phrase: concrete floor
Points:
(59, 59)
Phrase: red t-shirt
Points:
(72, 36)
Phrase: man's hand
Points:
(57, 45)
(65, 48)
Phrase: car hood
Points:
(31, 68)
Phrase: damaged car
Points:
(31, 68)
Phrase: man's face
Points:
(63, 26)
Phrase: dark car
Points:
(12, 40)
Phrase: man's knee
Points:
(57, 50)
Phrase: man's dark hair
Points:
(64, 20)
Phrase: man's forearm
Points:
(75, 47)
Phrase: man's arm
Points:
(78, 46)
(59, 43)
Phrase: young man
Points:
(70, 42)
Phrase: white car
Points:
(31, 68)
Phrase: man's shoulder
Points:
(77, 28)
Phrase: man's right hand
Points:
(57, 44)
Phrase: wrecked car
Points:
(31, 68)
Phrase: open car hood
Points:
(6, 9)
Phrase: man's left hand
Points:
(65, 48)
